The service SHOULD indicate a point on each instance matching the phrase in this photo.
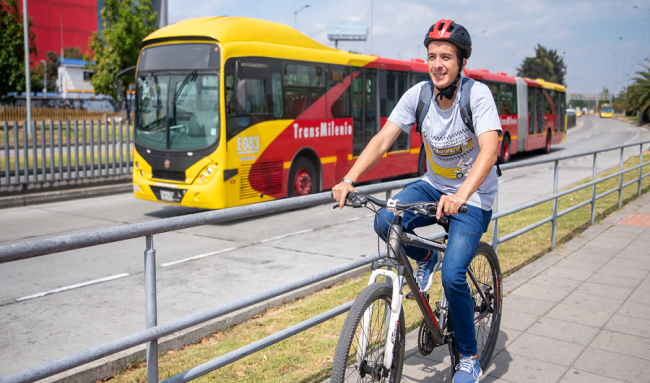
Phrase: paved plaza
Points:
(580, 314)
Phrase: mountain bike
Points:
(371, 345)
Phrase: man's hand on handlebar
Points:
(340, 192)
(449, 205)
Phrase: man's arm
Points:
(488, 142)
(376, 148)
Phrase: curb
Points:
(64, 195)
(107, 367)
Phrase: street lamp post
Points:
(647, 31)
(295, 16)
(44, 78)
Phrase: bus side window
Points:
(395, 84)
(303, 86)
(340, 107)
(262, 81)
(276, 92)
(507, 101)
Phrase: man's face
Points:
(442, 60)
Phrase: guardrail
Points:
(24, 250)
(64, 152)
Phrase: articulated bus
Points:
(232, 111)
(606, 111)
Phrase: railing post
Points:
(83, 139)
(555, 185)
(620, 183)
(151, 308)
(32, 129)
(51, 150)
(120, 146)
(43, 168)
(92, 149)
(640, 168)
(26, 151)
(76, 149)
(495, 223)
(16, 155)
(114, 149)
(7, 170)
(593, 191)
(67, 144)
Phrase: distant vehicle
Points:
(578, 112)
(232, 111)
(606, 111)
(570, 118)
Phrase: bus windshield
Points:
(177, 112)
(607, 109)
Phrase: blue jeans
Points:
(465, 231)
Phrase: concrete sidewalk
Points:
(579, 314)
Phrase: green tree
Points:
(546, 64)
(12, 49)
(638, 94)
(620, 102)
(125, 26)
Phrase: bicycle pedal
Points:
(411, 297)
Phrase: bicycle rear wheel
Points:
(486, 269)
(359, 357)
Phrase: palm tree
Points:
(638, 95)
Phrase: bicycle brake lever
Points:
(443, 221)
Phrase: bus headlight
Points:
(207, 174)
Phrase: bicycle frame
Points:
(405, 273)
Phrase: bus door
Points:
(392, 85)
(539, 98)
(522, 114)
(532, 116)
(364, 109)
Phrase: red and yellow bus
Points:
(232, 111)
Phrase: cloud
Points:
(504, 32)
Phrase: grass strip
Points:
(307, 357)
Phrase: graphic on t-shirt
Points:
(450, 150)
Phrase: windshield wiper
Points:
(191, 75)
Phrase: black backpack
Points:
(426, 94)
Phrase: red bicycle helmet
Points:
(448, 30)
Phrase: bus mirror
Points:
(120, 96)
(241, 95)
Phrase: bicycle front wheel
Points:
(487, 316)
(360, 351)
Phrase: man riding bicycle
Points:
(460, 170)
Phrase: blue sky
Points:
(597, 38)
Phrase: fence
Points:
(24, 250)
(64, 151)
(19, 113)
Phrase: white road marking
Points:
(638, 132)
(357, 218)
(198, 257)
(66, 288)
(286, 235)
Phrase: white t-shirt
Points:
(451, 147)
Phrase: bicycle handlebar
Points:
(420, 208)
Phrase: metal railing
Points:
(150, 336)
(64, 151)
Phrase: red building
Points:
(61, 24)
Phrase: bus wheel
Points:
(547, 148)
(505, 150)
(422, 162)
(302, 178)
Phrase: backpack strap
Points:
(426, 94)
(466, 84)
(466, 107)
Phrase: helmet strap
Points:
(449, 91)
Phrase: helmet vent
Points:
(440, 26)
(450, 29)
